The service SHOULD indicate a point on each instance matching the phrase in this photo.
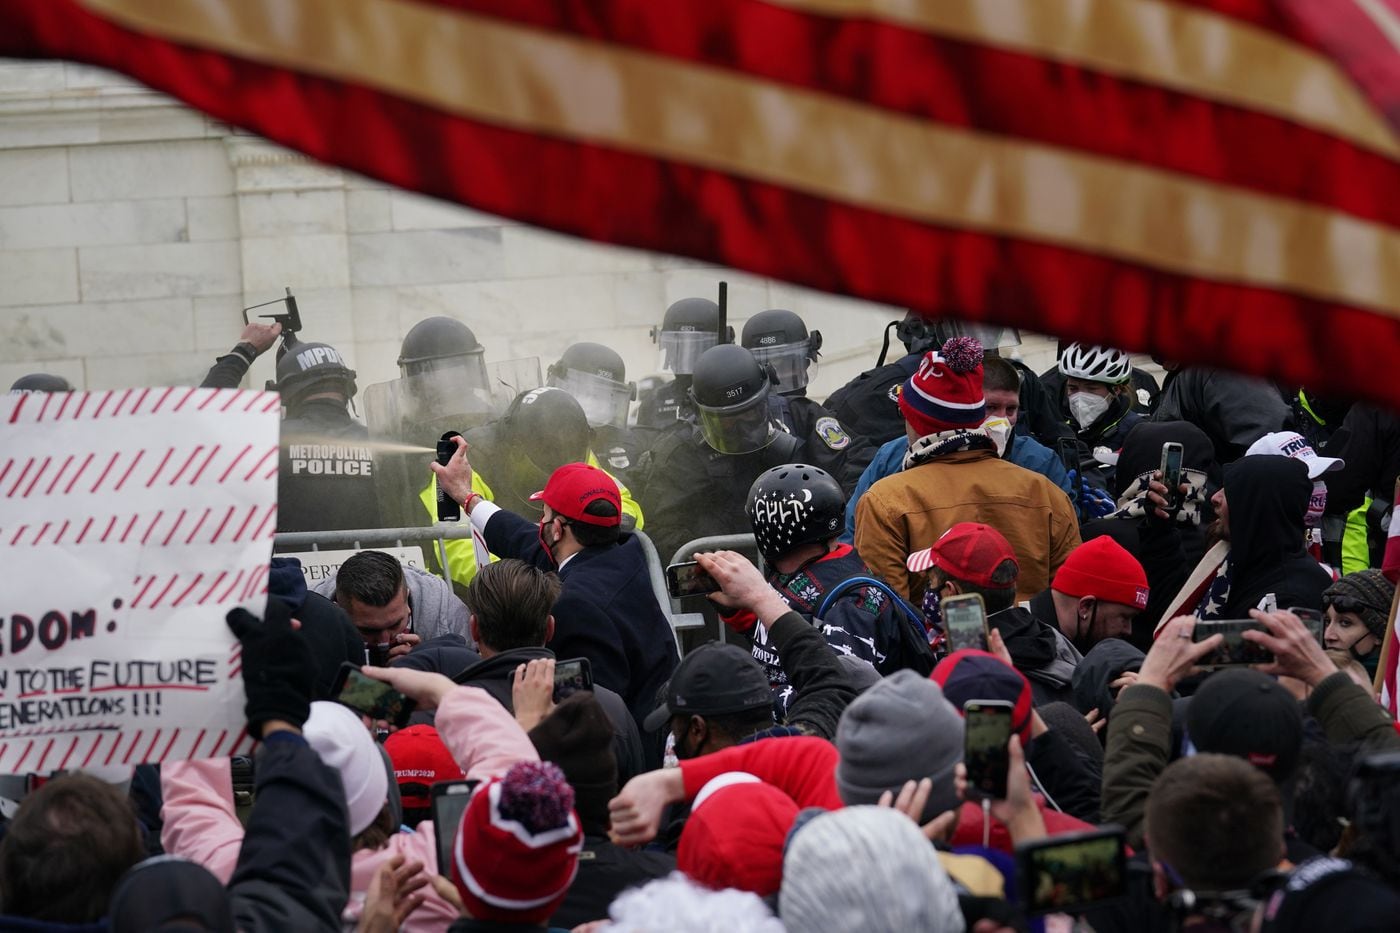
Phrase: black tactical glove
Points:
(278, 672)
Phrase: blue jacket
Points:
(1026, 452)
(607, 611)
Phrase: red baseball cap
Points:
(420, 761)
(968, 551)
(574, 487)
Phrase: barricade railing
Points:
(745, 544)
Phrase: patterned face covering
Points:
(1133, 502)
(933, 616)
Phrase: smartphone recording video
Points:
(986, 732)
(1234, 651)
(687, 579)
(570, 677)
(449, 801)
(1072, 873)
(370, 697)
(965, 620)
(1171, 473)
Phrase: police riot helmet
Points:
(920, 334)
(40, 382)
(548, 427)
(792, 505)
(308, 367)
(779, 338)
(597, 379)
(730, 391)
(689, 328)
(436, 342)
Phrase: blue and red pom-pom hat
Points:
(946, 391)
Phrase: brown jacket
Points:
(908, 511)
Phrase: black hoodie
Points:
(1266, 501)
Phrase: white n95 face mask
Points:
(1086, 408)
(999, 429)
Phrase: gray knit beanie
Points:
(865, 869)
(902, 729)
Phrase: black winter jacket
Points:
(607, 611)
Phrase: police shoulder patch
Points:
(832, 434)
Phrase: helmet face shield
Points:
(791, 361)
(471, 365)
(434, 390)
(604, 400)
(681, 348)
(738, 429)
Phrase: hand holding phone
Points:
(965, 620)
(1074, 872)
(572, 676)
(1171, 473)
(688, 579)
(1235, 650)
(370, 697)
(986, 732)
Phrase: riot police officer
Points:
(326, 473)
(689, 328)
(596, 377)
(513, 457)
(326, 478)
(697, 475)
(442, 386)
(779, 339)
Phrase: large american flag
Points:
(1210, 180)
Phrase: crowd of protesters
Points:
(1184, 632)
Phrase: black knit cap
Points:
(578, 737)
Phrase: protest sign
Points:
(131, 521)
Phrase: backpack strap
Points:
(851, 583)
(915, 651)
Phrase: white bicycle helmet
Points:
(1096, 364)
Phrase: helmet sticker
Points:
(832, 434)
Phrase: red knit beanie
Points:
(1104, 569)
(517, 850)
(946, 392)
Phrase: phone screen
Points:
(1171, 471)
(570, 677)
(1311, 618)
(449, 801)
(1069, 874)
(687, 579)
(986, 730)
(965, 618)
(1234, 651)
(373, 698)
